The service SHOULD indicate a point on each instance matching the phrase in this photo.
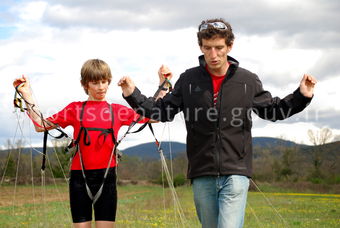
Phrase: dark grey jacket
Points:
(219, 138)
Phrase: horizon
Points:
(152, 142)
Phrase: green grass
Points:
(152, 206)
(293, 210)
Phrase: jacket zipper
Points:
(218, 155)
(218, 130)
(242, 153)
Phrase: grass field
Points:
(152, 206)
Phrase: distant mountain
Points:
(149, 150)
(274, 142)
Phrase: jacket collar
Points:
(233, 62)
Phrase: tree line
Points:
(316, 164)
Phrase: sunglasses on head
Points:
(216, 25)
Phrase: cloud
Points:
(298, 30)
(327, 66)
(278, 40)
(287, 18)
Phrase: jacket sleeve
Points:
(164, 109)
(275, 108)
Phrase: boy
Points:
(96, 124)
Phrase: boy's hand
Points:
(25, 88)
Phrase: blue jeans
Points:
(221, 200)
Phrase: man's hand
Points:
(164, 72)
(127, 85)
(307, 85)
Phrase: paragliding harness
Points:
(18, 103)
(87, 141)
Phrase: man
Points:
(216, 98)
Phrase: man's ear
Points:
(201, 48)
(230, 46)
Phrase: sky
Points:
(48, 41)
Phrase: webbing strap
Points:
(18, 100)
(84, 130)
(87, 141)
(95, 197)
(86, 137)
(44, 151)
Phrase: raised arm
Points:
(275, 108)
(128, 86)
(162, 107)
(22, 85)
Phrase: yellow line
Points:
(301, 194)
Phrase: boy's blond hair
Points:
(94, 70)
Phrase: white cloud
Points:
(275, 65)
(297, 132)
(54, 38)
(32, 11)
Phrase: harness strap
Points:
(44, 151)
(85, 130)
(18, 100)
(46, 133)
(105, 132)
(153, 133)
(87, 142)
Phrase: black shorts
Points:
(81, 204)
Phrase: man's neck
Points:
(218, 72)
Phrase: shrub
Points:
(179, 180)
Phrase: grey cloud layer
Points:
(297, 24)
(318, 19)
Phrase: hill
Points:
(149, 150)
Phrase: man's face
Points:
(215, 54)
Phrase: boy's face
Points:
(215, 54)
(97, 90)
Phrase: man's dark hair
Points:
(212, 32)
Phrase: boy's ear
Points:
(85, 87)
(83, 84)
